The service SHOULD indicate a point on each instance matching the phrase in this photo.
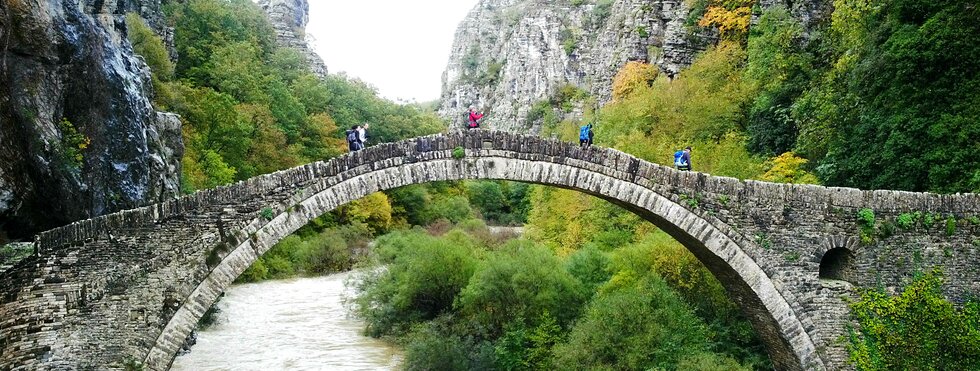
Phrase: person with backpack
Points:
(682, 159)
(353, 141)
(585, 135)
(362, 135)
(474, 118)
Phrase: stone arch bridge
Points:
(130, 287)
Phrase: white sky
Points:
(399, 46)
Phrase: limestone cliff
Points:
(289, 18)
(78, 135)
(509, 54)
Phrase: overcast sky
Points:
(401, 47)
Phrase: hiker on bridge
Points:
(354, 139)
(682, 159)
(362, 136)
(474, 118)
(585, 136)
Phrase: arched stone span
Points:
(136, 282)
(791, 344)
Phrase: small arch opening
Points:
(837, 264)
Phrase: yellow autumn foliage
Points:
(731, 17)
(788, 168)
(373, 210)
(633, 77)
(558, 218)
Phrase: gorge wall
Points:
(510, 54)
(78, 134)
(289, 18)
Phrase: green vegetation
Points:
(569, 40)
(950, 226)
(916, 330)
(267, 213)
(600, 13)
(14, 252)
(906, 221)
(491, 76)
(459, 153)
(73, 144)
(310, 253)
(249, 107)
(866, 217)
(459, 301)
(131, 364)
(504, 203)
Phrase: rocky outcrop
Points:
(289, 19)
(509, 54)
(78, 135)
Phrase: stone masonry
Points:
(130, 286)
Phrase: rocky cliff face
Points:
(509, 54)
(289, 18)
(78, 136)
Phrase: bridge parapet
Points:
(608, 161)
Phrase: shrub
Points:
(632, 78)
(149, 46)
(423, 277)
(73, 143)
(521, 280)
(866, 219)
(643, 326)
(267, 213)
(590, 267)
(915, 330)
(429, 349)
(906, 221)
(453, 208)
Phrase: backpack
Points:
(352, 136)
(472, 123)
(679, 158)
(583, 133)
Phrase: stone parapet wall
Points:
(527, 147)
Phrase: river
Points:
(295, 324)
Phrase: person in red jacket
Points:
(474, 118)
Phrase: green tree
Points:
(906, 100)
(779, 68)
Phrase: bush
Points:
(503, 203)
(453, 208)
(521, 280)
(590, 267)
(644, 326)
(423, 277)
(916, 330)
(149, 46)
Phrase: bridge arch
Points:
(712, 241)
